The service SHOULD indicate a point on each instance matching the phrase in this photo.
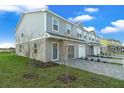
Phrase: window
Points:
(93, 37)
(89, 37)
(78, 35)
(20, 48)
(22, 35)
(84, 35)
(55, 24)
(68, 29)
(35, 48)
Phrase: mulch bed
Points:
(44, 65)
(30, 76)
(40, 64)
(66, 78)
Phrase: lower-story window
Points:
(55, 51)
(35, 48)
(20, 48)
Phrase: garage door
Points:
(82, 52)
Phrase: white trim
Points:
(53, 23)
(57, 51)
(45, 19)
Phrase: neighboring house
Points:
(110, 45)
(114, 46)
(46, 36)
(103, 45)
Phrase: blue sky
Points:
(107, 21)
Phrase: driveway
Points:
(111, 70)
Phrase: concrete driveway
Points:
(108, 59)
(111, 70)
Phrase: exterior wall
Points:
(32, 27)
(35, 25)
(62, 28)
(62, 25)
(63, 53)
(41, 49)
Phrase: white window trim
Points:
(53, 22)
(57, 51)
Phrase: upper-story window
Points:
(85, 35)
(93, 37)
(79, 33)
(89, 37)
(22, 34)
(68, 29)
(55, 24)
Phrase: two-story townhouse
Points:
(110, 45)
(46, 36)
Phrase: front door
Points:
(81, 51)
(55, 51)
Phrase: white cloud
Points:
(123, 44)
(6, 45)
(21, 8)
(81, 18)
(109, 30)
(91, 10)
(90, 28)
(117, 26)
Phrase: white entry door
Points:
(82, 52)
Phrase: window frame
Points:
(35, 48)
(79, 33)
(68, 27)
(20, 48)
(53, 18)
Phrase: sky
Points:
(107, 21)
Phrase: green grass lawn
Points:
(12, 69)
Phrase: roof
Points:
(54, 34)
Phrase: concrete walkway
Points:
(108, 59)
(111, 70)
